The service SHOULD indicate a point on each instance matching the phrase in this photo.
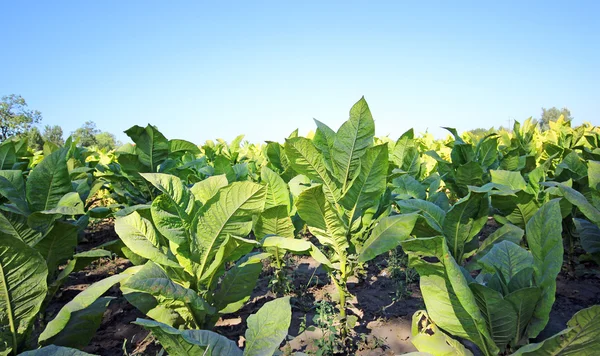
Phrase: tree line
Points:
(17, 120)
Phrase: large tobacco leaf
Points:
(23, 287)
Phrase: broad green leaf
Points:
(523, 302)
(139, 236)
(500, 318)
(8, 155)
(274, 221)
(544, 237)
(406, 187)
(323, 141)
(298, 184)
(351, 142)
(405, 142)
(190, 342)
(223, 166)
(447, 296)
(522, 279)
(204, 190)
(594, 175)
(277, 191)
(464, 221)
(151, 145)
(388, 234)
(517, 211)
(82, 325)
(507, 232)
(48, 182)
(237, 285)
(81, 301)
(176, 146)
(16, 225)
(486, 151)
(589, 235)
(306, 160)
(513, 180)
(368, 186)
(322, 219)
(470, 173)
(430, 340)
(433, 214)
(508, 258)
(153, 280)
(230, 212)
(579, 338)
(268, 327)
(23, 274)
(69, 204)
(12, 186)
(58, 246)
(53, 350)
(171, 211)
(286, 243)
(579, 200)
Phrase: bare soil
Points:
(384, 320)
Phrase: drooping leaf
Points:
(190, 342)
(579, 338)
(153, 280)
(268, 327)
(53, 350)
(430, 340)
(23, 287)
(81, 301)
(82, 325)
(449, 300)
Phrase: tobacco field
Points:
(338, 243)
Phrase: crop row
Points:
(197, 222)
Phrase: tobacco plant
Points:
(345, 206)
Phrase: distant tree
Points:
(86, 134)
(15, 118)
(35, 141)
(106, 140)
(552, 114)
(53, 134)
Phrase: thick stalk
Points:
(341, 287)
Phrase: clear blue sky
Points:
(202, 70)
